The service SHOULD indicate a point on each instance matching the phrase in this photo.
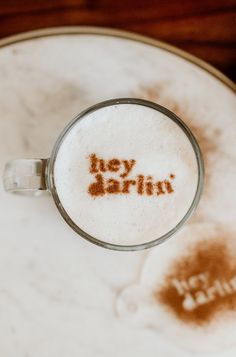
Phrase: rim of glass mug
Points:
(50, 183)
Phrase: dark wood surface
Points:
(205, 28)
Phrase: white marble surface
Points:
(58, 292)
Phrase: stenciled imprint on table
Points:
(200, 284)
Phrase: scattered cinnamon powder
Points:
(207, 138)
(200, 284)
(157, 93)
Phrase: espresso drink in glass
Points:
(125, 174)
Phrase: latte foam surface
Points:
(126, 174)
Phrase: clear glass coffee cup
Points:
(125, 174)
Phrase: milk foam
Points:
(159, 147)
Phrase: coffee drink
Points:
(126, 173)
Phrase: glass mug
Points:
(125, 174)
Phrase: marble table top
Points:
(59, 294)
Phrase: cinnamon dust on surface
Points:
(201, 284)
(156, 92)
(207, 137)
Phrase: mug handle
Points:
(25, 175)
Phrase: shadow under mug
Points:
(33, 175)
